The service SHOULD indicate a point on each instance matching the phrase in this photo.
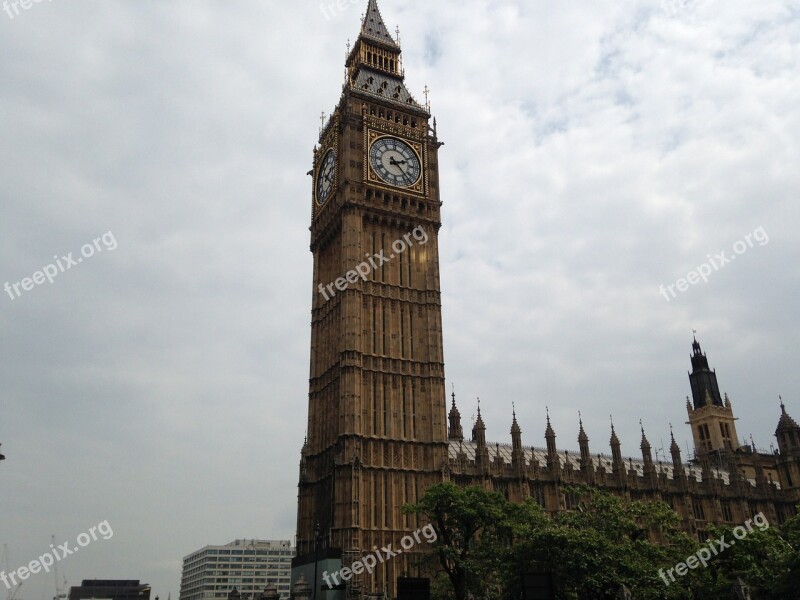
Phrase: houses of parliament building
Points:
(379, 431)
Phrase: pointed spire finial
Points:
(614, 438)
(549, 433)
(582, 437)
(373, 26)
(783, 408)
(479, 407)
(514, 425)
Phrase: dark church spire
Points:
(647, 456)
(552, 452)
(514, 425)
(645, 445)
(705, 390)
(517, 455)
(675, 451)
(788, 432)
(479, 429)
(479, 436)
(550, 435)
(456, 433)
(583, 444)
(617, 466)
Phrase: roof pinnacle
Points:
(514, 425)
(374, 28)
(582, 437)
(549, 431)
(614, 438)
(479, 421)
(645, 443)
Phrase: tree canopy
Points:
(486, 542)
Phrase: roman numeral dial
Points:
(395, 162)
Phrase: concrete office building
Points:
(247, 565)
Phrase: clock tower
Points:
(377, 429)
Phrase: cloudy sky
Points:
(595, 151)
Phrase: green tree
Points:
(766, 558)
(468, 521)
(485, 543)
(604, 543)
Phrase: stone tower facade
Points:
(711, 419)
(377, 420)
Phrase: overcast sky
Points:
(594, 151)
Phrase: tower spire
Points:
(703, 380)
(456, 432)
(645, 443)
(583, 443)
(550, 436)
(517, 456)
(581, 433)
(374, 28)
(617, 466)
(479, 437)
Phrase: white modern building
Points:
(247, 565)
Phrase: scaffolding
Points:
(353, 589)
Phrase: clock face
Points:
(325, 176)
(395, 162)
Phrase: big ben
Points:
(377, 431)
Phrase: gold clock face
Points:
(395, 162)
(325, 177)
